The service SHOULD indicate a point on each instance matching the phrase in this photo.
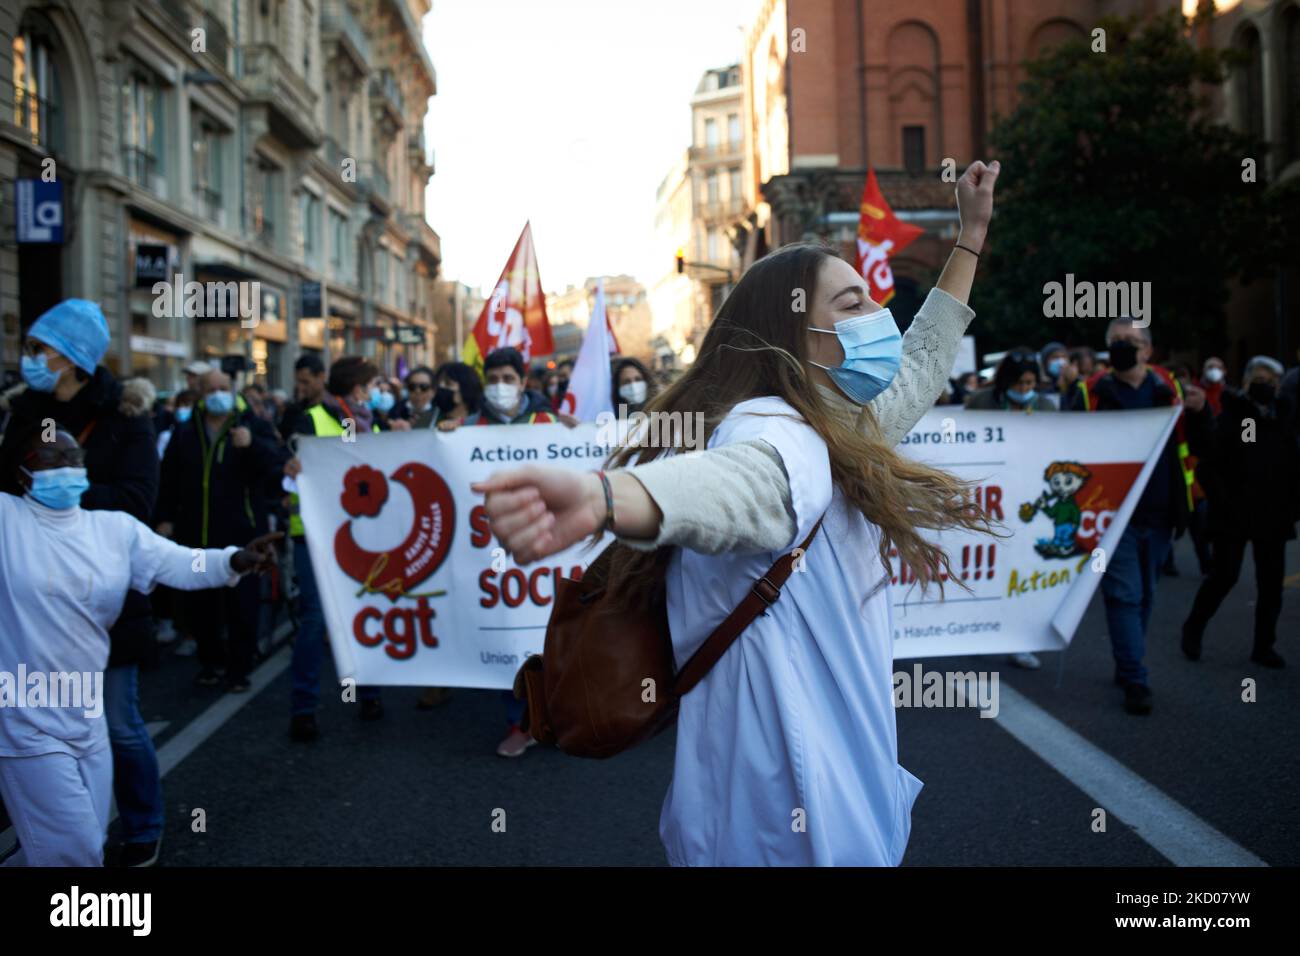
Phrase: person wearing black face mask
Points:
(1132, 570)
(1252, 477)
(456, 394)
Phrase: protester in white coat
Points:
(64, 575)
(786, 750)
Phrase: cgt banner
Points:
(415, 590)
(1062, 486)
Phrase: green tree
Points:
(1114, 171)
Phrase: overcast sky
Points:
(568, 113)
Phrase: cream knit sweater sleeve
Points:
(737, 497)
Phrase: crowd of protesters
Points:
(1229, 476)
(208, 469)
(129, 485)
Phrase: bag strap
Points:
(761, 596)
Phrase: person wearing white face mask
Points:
(1214, 379)
(786, 749)
(64, 574)
(632, 385)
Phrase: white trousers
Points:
(59, 805)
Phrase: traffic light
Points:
(681, 261)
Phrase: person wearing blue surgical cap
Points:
(111, 421)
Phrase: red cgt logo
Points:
(396, 571)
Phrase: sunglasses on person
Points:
(420, 387)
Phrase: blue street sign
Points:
(39, 210)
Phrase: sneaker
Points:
(1191, 642)
(1268, 658)
(302, 728)
(188, 647)
(515, 744)
(1137, 699)
(237, 685)
(1028, 661)
(166, 633)
(372, 709)
(140, 854)
(208, 678)
(433, 697)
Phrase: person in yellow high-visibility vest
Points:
(1129, 585)
(324, 406)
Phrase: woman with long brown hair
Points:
(786, 750)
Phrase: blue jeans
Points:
(137, 784)
(309, 642)
(1129, 591)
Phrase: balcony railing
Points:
(722, 208)
(375, 179)
(140, 166)
(218, 40)
(270, 79)
(717, 151)
(385, 84)
(211, 204)
(337, 19)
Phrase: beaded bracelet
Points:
(609, 501)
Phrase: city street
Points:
(423, 788)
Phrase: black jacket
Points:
(121, 463)
(1253, 486)
(212, 492)
(1196, 428)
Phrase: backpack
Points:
(605, 680)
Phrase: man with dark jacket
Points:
(1252, 478)
(66, 385)
(325, 408)
(1132, 570)
(213, 478)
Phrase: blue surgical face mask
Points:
(37, 373)
(59, 488)
(381, 401)
(1023, 398)
(220, 403)
(1054, 367)
(183, 414)
(873, 351)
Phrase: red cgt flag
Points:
(881, 234)
(515, 314)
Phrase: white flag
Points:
(589, 385)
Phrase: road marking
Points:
(1171, 829)
(156, 727)
(186, 740)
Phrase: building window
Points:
(914, 150)
(733, 177)
(713, 244)
(206, 165)
(733, 130)
(338, 243)
(1291, 81)
(710, 133)
(311, 229)
(36, 92)
(381, 274)
(1250, 84)
(142, 127)
(711, 186)
(266, 201)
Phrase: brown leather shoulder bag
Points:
(605, 679)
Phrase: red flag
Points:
(515, 313)
(881, 234)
